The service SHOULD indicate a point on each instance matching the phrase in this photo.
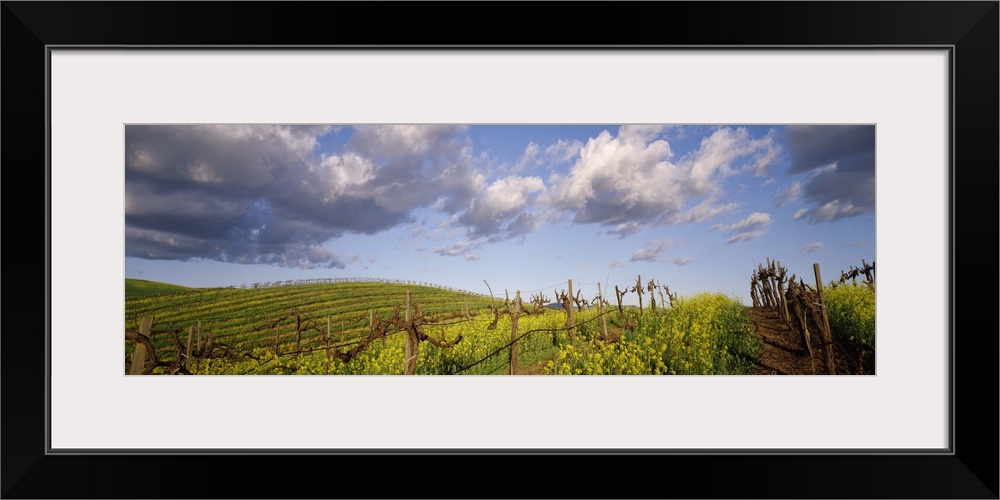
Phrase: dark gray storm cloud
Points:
(419, 165)
(840, 163)
(261, 194)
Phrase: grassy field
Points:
(283, 329)
(241, 320)
(138, 288)
(703, 335)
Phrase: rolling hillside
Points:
(243, 318)
(138, 288)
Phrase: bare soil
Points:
(785, 352)
(535, 369)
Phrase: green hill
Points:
(137, 288)
(243, 318)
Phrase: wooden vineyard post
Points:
(190, 344)
(783, 299)
(771, 291)
(802, 321)
(209, 345)
(618, 295)
(328, 345)
(406, 344)
(277, 337)
(770, 285)
(600, 310)
(139, 356)
(769, 275)
(513, 332)
(371, 325)
(758, 290)
(638, 291)
(765, 296)
(197, 358)
(570, 325)
(410, 348)
(827, 335)
(764, 286)
(768, 292)
(298, 336)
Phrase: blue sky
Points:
(520, 206)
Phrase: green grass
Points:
(707, 333)
(245, 319)
(138, 288)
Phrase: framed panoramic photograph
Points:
(265, 245)
(425, 208)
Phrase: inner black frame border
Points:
(968, 469)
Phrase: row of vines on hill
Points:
(377, 329)
(312, 333)
(500, 337)
(311, 281)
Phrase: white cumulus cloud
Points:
(499, 212)
(563, 150)
(631, 180)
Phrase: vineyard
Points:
(385, 328)
(821, 329)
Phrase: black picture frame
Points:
(970, 29)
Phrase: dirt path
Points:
(535, 369)
(785, 351)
